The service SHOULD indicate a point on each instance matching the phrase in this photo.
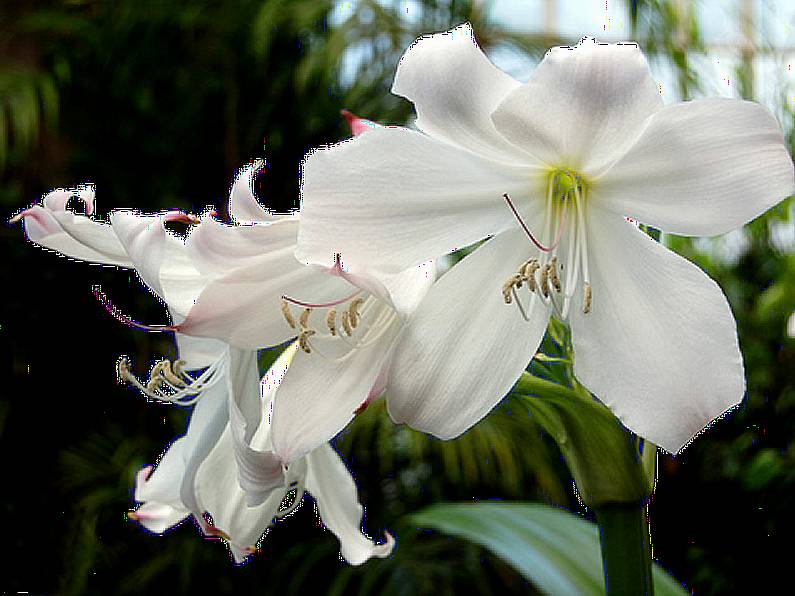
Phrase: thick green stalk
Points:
(626, 548)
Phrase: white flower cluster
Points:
(544, 175)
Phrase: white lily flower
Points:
(321, 473)
(547, 172)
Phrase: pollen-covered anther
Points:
(587, 296)
(545, 281)
(331, 321)
(304, 320)
(528, 272)
(353, 311)
(346, 323)
(553, 274)
(288, 315)
(515, 281)
(303, 339)
(123, 373)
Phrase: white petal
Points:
(464, 348)
(583, 106)
(334, 490)
(75, 236)
(243, 307)
(455, 89)
(215, 248)
(659, 346)
(701, 167)
(160, 259)
(394, 198)
(198, 352)
(243, 204)
(259, 469)
(225, 501)
(322, 390)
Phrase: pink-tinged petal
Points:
(57, 199)
(583, 106)
(455, 89)
(215, 248)
(334, 490)
(394, 198)
(75, 236)
(243, 204)
(356, 124)
(700, 168)
(464, 348)
(659, 345)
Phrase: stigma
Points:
(551, 275)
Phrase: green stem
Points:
(626, 548)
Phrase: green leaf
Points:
(556, 551)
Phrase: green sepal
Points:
(603, 457)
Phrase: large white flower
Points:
(321, 473)
(547, 172)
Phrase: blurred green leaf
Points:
(555, 550)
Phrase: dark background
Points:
(158, 104)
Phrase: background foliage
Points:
(158, 103)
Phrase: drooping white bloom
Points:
(228, 428)
(547, 173)
(321, 473)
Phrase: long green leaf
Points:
(556, 551)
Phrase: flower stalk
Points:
(626, 547)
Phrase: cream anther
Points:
(303, 339)
(288, 316)
(353, 311)
(587, 296)
(331, 321)
(168, 382)
(346, 323)
(304, 320)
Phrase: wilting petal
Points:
(464, 348)
(52, 226)
(455, 88)
(394, 198)
(583, 106)
(334, 490)
(659, 346)
(323, 390)
(701, 167)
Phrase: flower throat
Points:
(544, 273)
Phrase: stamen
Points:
(121, 317)
(169, 383)
(321, 304)
(587, 296)
(331, 321)
(288, 316)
